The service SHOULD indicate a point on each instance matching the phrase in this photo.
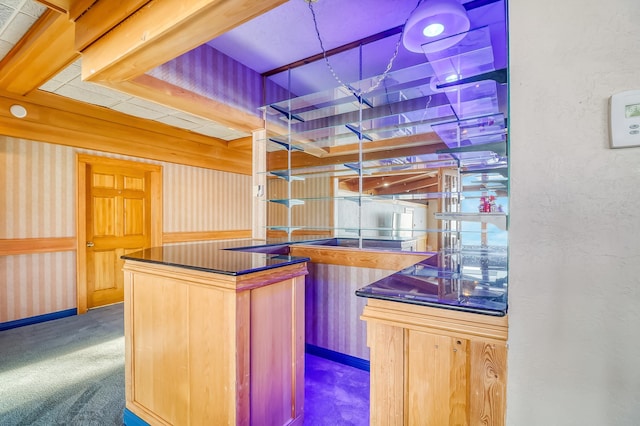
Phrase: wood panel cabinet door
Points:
(118, 222)
(435, 367)
(454, 381)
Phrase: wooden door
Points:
(118, 223)
(116, 216)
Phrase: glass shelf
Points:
(389, 198)
(498, 219)
(288, 202)
(286, 175)
(380, 232)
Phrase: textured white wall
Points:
(574, 347)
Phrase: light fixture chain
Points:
(380, 78)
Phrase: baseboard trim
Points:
(130, 419)
(352, 361)
(37, 319)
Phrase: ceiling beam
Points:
(370, 184)
(55, 119)
(102, 17)
(45, 50)
(277, 160)
(164, 93)
(60, 6)
(163, 30)
(406, 187)
(386, 144)
(373, 182)
(243, 144)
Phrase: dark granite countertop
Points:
(479, 287)
(236, 257)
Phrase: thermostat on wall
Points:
(624, 119)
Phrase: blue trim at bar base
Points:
(37, 319)
(130, 419)
(352, 361)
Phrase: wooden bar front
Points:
(433, 366)
(207, 348)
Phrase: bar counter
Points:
(235, 257)
(214, 335)
(477, 284)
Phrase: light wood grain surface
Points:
(437, 367)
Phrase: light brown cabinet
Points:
(212, 349)
(432, 366)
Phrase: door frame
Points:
(83, 161)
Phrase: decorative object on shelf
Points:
(432, 22)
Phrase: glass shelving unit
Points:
(409, 156)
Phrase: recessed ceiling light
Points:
(450, 78)
(18, 111)
(433, 30)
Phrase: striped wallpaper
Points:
(37, 200)
(36, 284)
(210, 73)
(36, 177)
(332, 310)
(222, 201)
(316, 212)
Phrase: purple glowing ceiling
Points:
(448, 75)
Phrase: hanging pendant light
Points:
(433, 25)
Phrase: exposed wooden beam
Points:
(161, 31)
(71, 8)
(62, 103)
(405, 187)
(45, 50)
(386, 144)
(102, 17)
(156, 90)
(78, 7)
(243, 144)
(60, 6)
(277, 160)
(370, 183)
(51, 118)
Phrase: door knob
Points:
(89, 243)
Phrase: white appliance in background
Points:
(402, 225)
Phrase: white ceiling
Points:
(286, 34)
(17, 16)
